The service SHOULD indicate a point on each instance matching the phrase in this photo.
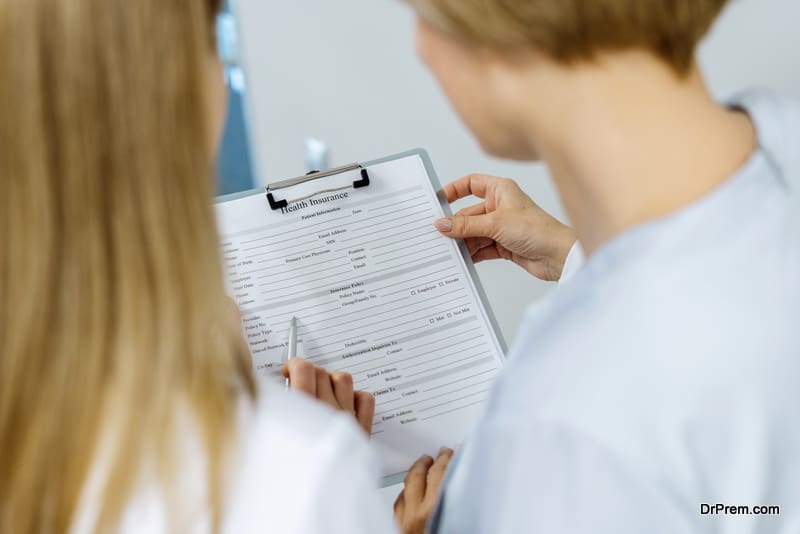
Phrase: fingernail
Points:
(444, 225)
(444, 450)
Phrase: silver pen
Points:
(292, 352)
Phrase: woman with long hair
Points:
(127, 401)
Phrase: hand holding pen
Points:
(334, 389)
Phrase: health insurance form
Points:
(377, 292)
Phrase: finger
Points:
(474, 244)
(400, 506)
(301, 375)
(463, 227)
(436, 473)
(472, 184)
(325, 388)
(416, 480)
(343, 390)
(365, 410)
(477, 209)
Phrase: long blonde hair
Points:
(112, 305)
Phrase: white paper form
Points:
(377, 292)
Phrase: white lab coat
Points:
(298, 468)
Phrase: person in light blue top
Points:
(657, 389)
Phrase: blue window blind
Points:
(234, 166)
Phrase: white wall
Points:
(755, 44)
(345, 72)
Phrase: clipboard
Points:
(413, 428)
(274, 203)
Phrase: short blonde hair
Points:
(570, 31)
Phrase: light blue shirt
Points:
(663, 376)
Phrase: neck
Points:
(628, 142)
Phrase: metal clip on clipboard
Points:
(276, 205)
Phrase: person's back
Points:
(660, 380)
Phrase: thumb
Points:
(464, 226)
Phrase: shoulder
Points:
(777, 119)
(665, 361)
(711, 319)
(296, 467)
(778, 110)
(289, 419)
(296, 459)
(767, 101)
(294, 435)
